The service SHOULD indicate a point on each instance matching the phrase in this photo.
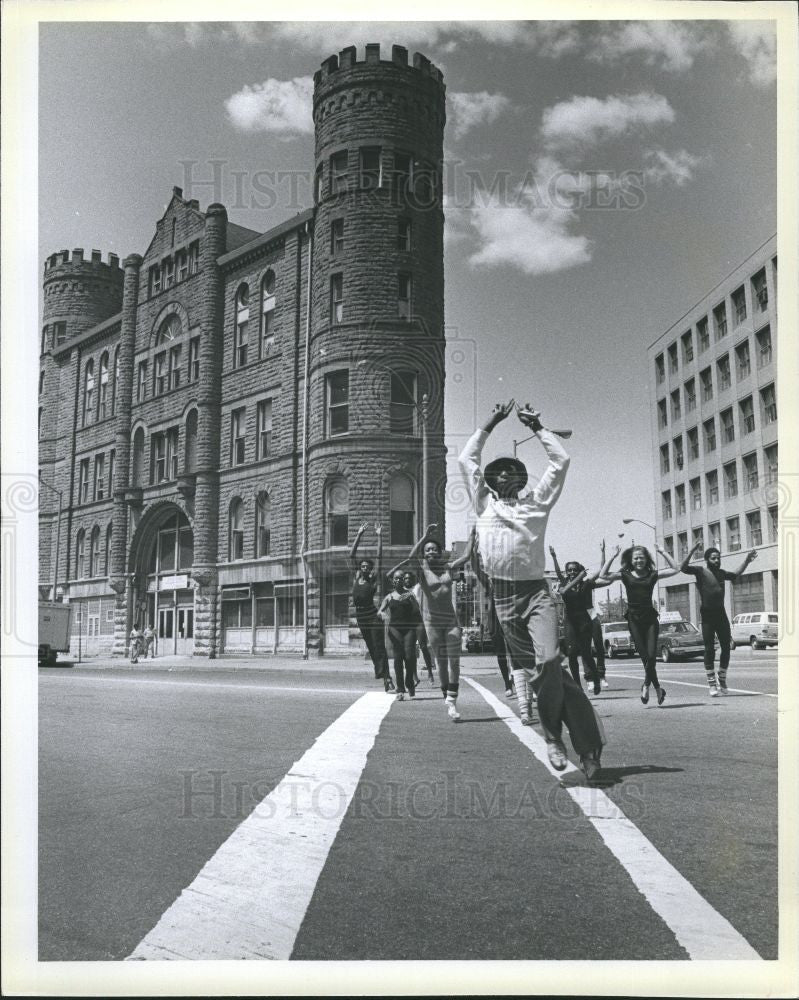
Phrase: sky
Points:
(600, 178)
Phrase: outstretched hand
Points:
(363, 527)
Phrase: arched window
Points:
(115, 385)
(267, 312)
(263, 525)
(169, 330)
(108, 536)
(102, 407)
(236, 521)
(337, 504)
(88, 399)
(190, 464)
(137, 472)
(94, 552)
(79, 554)
(403, 510)
(242, 335)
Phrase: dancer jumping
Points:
(511, 533)
(364, 587)
(710, 580)
(639, 574)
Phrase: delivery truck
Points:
(53, 631)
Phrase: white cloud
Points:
(757, 43)
(534, 238)
(588, 121)
(669, 45)
(678, 167)
(282, 107)
(471, 109)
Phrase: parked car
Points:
(758, 629)
(679, 639)
(617, 639)
(473, 644)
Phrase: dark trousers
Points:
(579, 634)
(403, 649)
(599, 645)
(644, 632)
(716, 623)
(373, 632)
(529, 621)
(498, 642)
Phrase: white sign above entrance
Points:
(174, 582)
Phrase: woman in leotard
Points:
(412, 584)
(400, 611)
(639, 574)
(438, 612)
(364, 587)
(575, 593)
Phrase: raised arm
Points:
(355, 544)
(466, 555)
(558, 573)
(549, 486)
(577, 579)
(673, 568)
(379, 561)
(604, 574)
(469, 458)
(683, 567)
(415, 554)
(752, 554)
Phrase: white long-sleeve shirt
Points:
(511, 535)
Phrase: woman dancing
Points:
(575, 592)
(364, 587)
(412, 584)
(598, 645)
(639, 574)
(438, 612)
(400, 611)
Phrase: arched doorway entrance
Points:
(163, 593)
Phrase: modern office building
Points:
(714, 427)
(220, 413)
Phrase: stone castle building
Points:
(220, 413)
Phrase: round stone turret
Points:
(79, 293)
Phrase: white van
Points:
(758, 629)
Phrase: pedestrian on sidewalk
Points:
(136, 643)
(365, 585)
(510, 532)
(639, 574)
(149, 642)
(710, 580)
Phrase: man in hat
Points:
(510, 532)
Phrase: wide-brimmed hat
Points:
(506, 462)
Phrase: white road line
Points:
(215, 685)
(700, 929)
(692, 684)
(251, 897)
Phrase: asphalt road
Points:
(457, 843)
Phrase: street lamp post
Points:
(57, 532)
(517, 443)
(653, 529)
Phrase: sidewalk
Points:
(473, 665)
